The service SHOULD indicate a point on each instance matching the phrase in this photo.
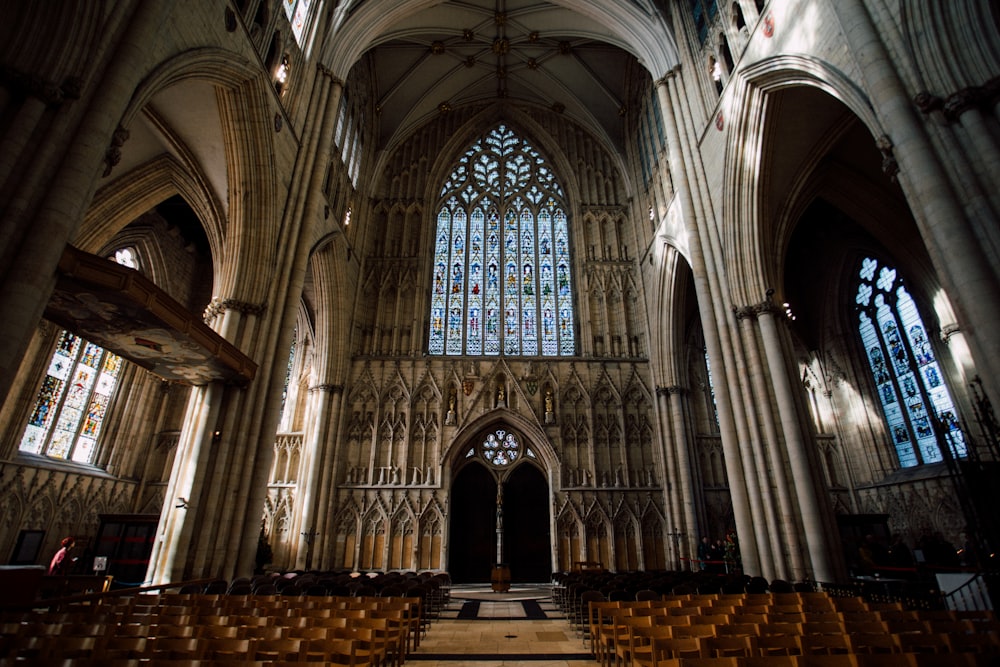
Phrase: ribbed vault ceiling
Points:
(440, 56)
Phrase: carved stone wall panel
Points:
(915, 509)
(60, 503)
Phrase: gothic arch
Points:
(752, 94)
(468, 436)
(124, 200)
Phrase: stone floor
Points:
(501, 634)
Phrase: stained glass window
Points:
(502, 282)
(501, 448)
(69, 410)
(906, 373)
(297, 13)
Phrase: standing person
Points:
(61, 562)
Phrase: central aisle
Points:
(487, 629)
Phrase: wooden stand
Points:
(500, 578)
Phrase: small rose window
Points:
(501, 448)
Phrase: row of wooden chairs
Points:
(575, 606)
(355, 648)
(648, 647)
(382, 631)
(623, 632)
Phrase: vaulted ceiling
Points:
(556, 55)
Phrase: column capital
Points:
(671, 73)
(949, 330)
(218, 306)
(754, 310)
(960, 101)
(327, 388)
(327, 72)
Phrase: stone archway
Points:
(499, 502)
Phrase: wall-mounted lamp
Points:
(182, 503)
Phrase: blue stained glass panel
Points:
(898, 432)
(919, 412)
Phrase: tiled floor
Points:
(500, 635)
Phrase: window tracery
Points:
(904, 368)
(502, 282)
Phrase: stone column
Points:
(811, 504)
(684, 474)
(310, 464)
(327, 481)
(703, 288)
(183, 507)
(786, 530)
(301, 213)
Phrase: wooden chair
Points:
(869, 627)
(839, 660)
(68, 648)
(884, 660)
(850, 604)
(772, 645)
(696, 631)
(749, 617)
(872, 643)
(701, 662)
(793, 629)
(824, 644)
(608, 631)
(123, 648)
(984, 643)
(173, 648)
(271, 650)
(598, 614)
(726, 647)
(948, 660)
(822, 628)
(674, 647)
(331, 651)
(227, 649)
(640, 642)
(912, 642)
(768, 661)
(710, 619)
(369, 647)
(736, 630)
(397, 631)
(186, 630)
(623, 637)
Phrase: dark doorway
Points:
(527, 543)
(472, 532)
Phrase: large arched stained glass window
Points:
(502, 281)
(907, 376)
